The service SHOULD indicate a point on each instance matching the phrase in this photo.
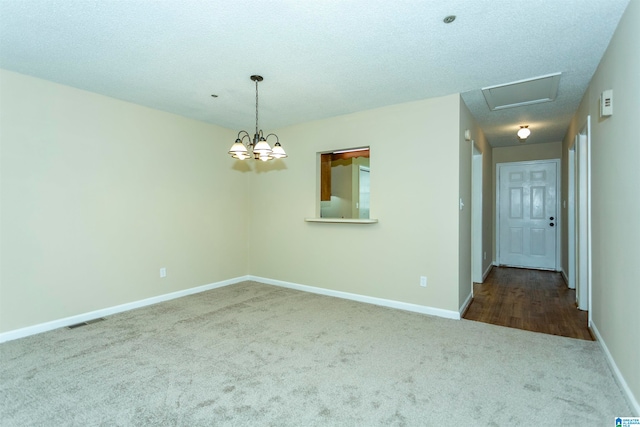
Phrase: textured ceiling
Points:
(319, 58)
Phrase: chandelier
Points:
(258, 147)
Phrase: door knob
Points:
(551, 218)
(551, 224)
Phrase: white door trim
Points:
(558, 222)
(571, 219)
(476, 214)
(583, 217)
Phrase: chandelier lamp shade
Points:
(524, 132)
(257, 147)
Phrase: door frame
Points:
(582, 231)
(571, 219)
(476, 214)
(558, 226)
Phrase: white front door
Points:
(527, 214)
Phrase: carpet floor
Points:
(254, 354)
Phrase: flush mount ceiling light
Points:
(258, 147)
(524, 132)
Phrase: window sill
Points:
(343, 220)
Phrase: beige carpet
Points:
(253, 354)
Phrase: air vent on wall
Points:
(88, 322)
(522, 92)
(606, 103)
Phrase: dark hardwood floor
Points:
(532, 300)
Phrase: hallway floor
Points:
(532, 300)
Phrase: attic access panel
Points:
(522, 92)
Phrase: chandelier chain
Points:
(256, 107)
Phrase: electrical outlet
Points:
(423, 281)
(163, 272)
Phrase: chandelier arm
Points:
(267, 137)
(246, 134)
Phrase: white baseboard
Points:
(565, 277)
(633, 402)
(449, 314)
(487, 271)
(465, 304)
(72, 320)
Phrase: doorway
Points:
(527, 206)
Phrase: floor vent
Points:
(88, 322)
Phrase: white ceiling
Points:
(319, 58)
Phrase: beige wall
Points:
(414, 194)
(467, 121)
(615, 154)
(465, 150)
(524, 152)
(488, 206)
(98, 194)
